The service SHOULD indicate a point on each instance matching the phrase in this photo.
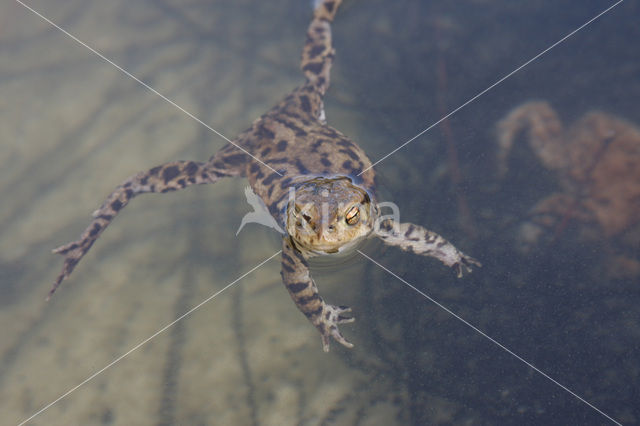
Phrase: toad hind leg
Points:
(165, 178)
(303, 291)
(416, 239)
(317, 55)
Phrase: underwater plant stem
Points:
(464, 213)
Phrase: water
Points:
(73, 127)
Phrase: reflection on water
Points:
(73, 127)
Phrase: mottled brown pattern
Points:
(418, 240)
(303, 290)
(597, 161)
(166, 178)
(334, 206)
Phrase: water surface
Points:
(73, 127)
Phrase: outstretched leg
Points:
(167, 177)
(416, 239)
(303, 291)
(317, 55)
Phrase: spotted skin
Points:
(303, 291)
(334, 205)
(596, 163)
(166, 178)
(418, 240)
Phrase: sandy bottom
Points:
(72, 127)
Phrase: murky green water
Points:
(73, 127)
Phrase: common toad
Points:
(314, 181)
(597, 161)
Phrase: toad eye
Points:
(353, 216)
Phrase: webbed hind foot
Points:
(165, 178)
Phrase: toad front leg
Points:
(416, 239)
(303, 291)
